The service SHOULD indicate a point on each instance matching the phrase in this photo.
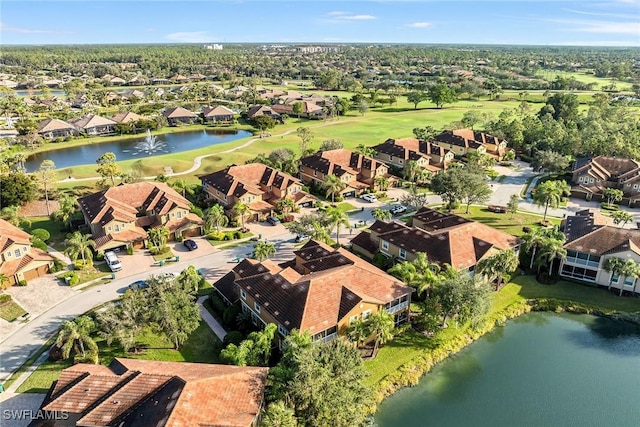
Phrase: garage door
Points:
(191, 232)
(350, 194)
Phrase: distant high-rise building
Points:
(214, 46)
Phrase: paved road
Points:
(16, 348)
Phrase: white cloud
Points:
(9, 29)
(190, 37)
(602, 27)
(340, 17)
(418, 25)
(357, 17)
(336, 13)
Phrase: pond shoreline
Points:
(410, 374)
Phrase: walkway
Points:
(23, 377)
(210, 320)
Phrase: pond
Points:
(541, 369)
(126, 149)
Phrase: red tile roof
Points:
(159, 393)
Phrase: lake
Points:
(125, 149)
(541, 369)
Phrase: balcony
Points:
(398, 307)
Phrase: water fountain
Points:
(150, 145)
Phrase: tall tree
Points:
(513, 205)
(306, 136)
(414, 200)
(381, 214)
(123, 322)
(497, 265)
(17, 189)
(333, 185)
(263, 250)
(614, 266)
(621, 218)
(215, 217)
(381, 326)
(11, 214)
(76, 335)
(629, 269)
(46, 175)
(330, 144)
(241, 209)
(441, 94)
(107, 167)
(415, 98)
(78, 244)
(159, 236)
(613, 195)
(549, 251)
(66, 210)
(551, 161)
(475, 188)
(426, 133)
(449, 185)
(337, 217)
(365, 150)
(549, 194)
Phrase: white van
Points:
(112, 261)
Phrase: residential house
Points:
(463, 141)
(357, 171)
(178, 115)
(257, 185)
(55, 128)
(322, 290)
(310, 109)
(92, 124)
(117, 81)
(398, 152)
(131, 392)
(591, 176)
(261, 110)
(120, 216)
(444, 237)
(219, 114)
(179, 78)
(18, 260)
(127, 117)
(590, 241)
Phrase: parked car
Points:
(190, 244)
(167, 276)
(497, 209)
(301, 237)
(139, 284)
(398, 209)
(112, 261)
(273, 220)
(369, 198)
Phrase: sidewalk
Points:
(59, 255)
(210, 320)
(23, 377)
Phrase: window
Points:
(635, 186)
(366, 314)
(283, 331)
(629, 281)
(390, 157)
(385, 245)
(615, 278)
(400, 161)
(173, 214)
(179, 214)
(256, 306)
(269, 188)
(243, 294)
(315, 173)
(591, 180)
(17, 252)
(580, 179)
(109, 228)
(116, 227)
(403, 254)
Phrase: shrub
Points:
(81, 265)
(41, 234)
(287, 218)
(226, 237)
(381, 194)
(57, 266)
(129, 250)
(100, 256)
(4, 298)
(230, 314)
(381, 261)
(217, 305)
(454, 205)
(237, 235)
(55, 353)
(233, 337)
(215, 235)
(159, 251)
(37, 243)
(90, 357)
(196, 210)
(71, 278)
(180, 238)
(22, 283)
(339, 199)
(609, 206)
(492, 173)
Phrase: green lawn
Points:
(203, 347)
(600, 82)
(346, 207)
(55, 228)
(11, 310)
(163, 256)
(506, 222)
(92, 273)
(405, 348)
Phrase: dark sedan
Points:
(190, 244)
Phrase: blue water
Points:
(125, 149)
(540, 370)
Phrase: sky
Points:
(523, 22)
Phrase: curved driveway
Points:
(16, 348)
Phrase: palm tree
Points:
(536, 237)
(630, 268)
(549, 194)
(215, 217)
(333, 185)
(495, 266)
(3, 280)
(549, 251)
(614, 266)
(285, 205)
(240, 209)
(78, 244)
(621, 218)
(358, 332)
(76, 335)
(159, 236)
(66, 210)
(411, 170)
(337, 217)
(365, 151)
(11, 214)
(420, 273)
(320, 233)
(382, 182)
(180, 185)
(263, 250)
(381, 325)
(381, 214)
(46, 174)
